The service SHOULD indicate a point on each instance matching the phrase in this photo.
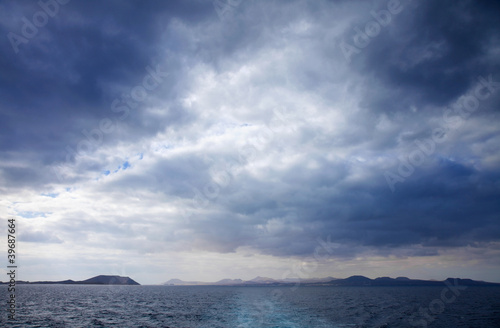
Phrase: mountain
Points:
(97, 280)
(330, 281)
(226, 282)
(403, 281)
(262, 281)
(108, 280)
(353, 281)
(223, 282)
(175, 282)
(229, 282)
(178, 282)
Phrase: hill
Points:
(330, 281)
(109, 280)
(97, 280)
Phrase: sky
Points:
(203, 140)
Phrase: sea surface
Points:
(219, 306)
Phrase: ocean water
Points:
(232, 307)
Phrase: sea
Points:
(232, 307)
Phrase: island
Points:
(330, 281)
(97, 280)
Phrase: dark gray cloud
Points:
(431, 52)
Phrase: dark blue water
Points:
(197, 306)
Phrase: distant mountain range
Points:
(263, 281)
(97, 280)
(330, 281)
